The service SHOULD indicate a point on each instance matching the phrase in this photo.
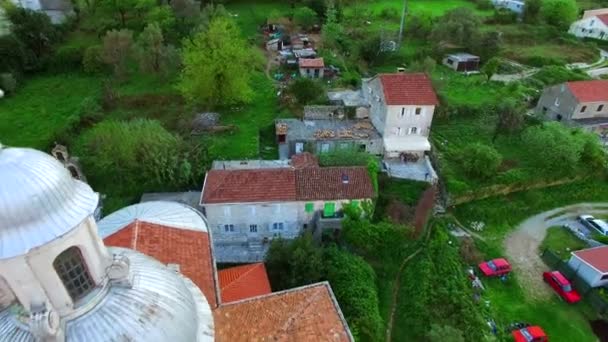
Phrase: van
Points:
(591, 222)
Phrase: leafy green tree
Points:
(532, 11)
(116, 49)
(510, 117)
(491, 67)
(91, 60)
(126, 9)
(210, 12)
(332, 32)
(489, 45)
(153, 55)
(427, 65)
(306, 91)
(444, 333)
(217, 66)
(593, 155)
(353, 281)
(557, 145)
(293, 263)
(559, 13)
(370, 50)
(459, 26)
(419, 25)
(14, 55)
(305, 17)
(35, 35)
(139, 153)
(479, 160)
(162, 16)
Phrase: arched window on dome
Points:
(73, 272)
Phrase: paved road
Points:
(522, 245)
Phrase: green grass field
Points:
(43, 107)
(562, 242)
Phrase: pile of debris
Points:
(281, 128)
(208, 122)
(343, 134)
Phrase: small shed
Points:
(591, 265)
(311, 67)
(274, 45)
(462, 62)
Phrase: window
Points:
(583, 108)
(604, 277)
(324, 147)
(344, 146)
(418, 111)
(450, 62)
(72, 271)
(229, 228)
(309, 207)
(402, 111)
(329, 209)
(414, 130)
(253, 228)
(277, 226)
(600, 107)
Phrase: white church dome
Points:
(39, 200)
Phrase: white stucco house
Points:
(511, 5)
(401, 109)
(591, 265)
(594, 24)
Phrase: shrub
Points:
(559, 13)
(390, 13)
(306, 91)
(504, 16)
(344, 157)
(67, 58)
(8, 83)
(479, 160)
(91, 59)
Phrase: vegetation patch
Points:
(562, 242)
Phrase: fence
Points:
(592, 295)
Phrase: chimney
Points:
(344, 178)
(400, 70)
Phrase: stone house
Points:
(580, 103)
(247, 208)
(594, 24)
(401, 109)
(311, 67)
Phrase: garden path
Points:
(522, 245)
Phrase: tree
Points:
(489, 45)
(479, 160)
(532, 11)
(491, 67)
(593, 155)
(444, 333)
(306, 91)
(371, 51)
(91, 60)
(559, 13)
(459, 26)
(126, 9)
(217, 66)
(557, 145)
(427, 65)
(510, 117)
(184, 8)
(35, 35)
(305, 17)
(420, 25)
(116, 49)
(294, 263)
(163, 16)
(153, 55)
(332, 31)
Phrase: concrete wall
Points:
(557, 103)
(310, 72)
(590, 27)
(589, 110)
(33, 280)
(372, 146)
(372, 91)
(590, 275)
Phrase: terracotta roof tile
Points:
(328, 183)
(242, 282)
(226, 186)
(303, 314)
(596, 257)
(311, 63)
(589, 91)
(304, 160)
(408, 89)
(603, 18)
(190, 249)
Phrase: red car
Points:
(530, 334)
(562, 286)
(496, 267)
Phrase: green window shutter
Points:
(329, 209)
(309, 207)
(355, 203)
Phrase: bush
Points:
(345, 157)
(8, 83)
(91, 60)
(550, 75)
(389, 13)
(67, 58)
(504, 16)
(306, 91)
(480, 160)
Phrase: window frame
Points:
(418, 111)
(229, 228)
(72, 270)
(253, 228)
(600, 108)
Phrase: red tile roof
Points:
(304, 160)
(190, 249)
(266, 185)
(242, 282)
(311, 63)
(596, 257)
(333, 183)
(589, 91)
(260, 185)
(408, 89)
(603, 18)
(308, 313)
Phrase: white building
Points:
(511, 5)
(57, 10)
(594, 24)
(401, 108)
(591, 265)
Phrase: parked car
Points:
(495, 267)
(594, 224)
(562, 286)
(530, 334)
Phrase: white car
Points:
(597, 225)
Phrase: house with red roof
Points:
(401, 109)
(246, 208)
(582, 103)
(311, 67)
(594, 24)
(591, 265)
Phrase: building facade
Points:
(311, 67)
(594, 24)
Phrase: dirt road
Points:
(522, 245)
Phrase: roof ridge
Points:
(251, 267)
(278, 293)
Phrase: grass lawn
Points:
(250, 14)
(561, 241)
(43, 107)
